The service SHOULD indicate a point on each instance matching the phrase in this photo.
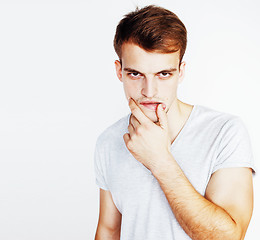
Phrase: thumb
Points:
(162, 116)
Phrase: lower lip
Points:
(150, 106)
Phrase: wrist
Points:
(164, 163)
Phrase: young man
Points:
(169, 170)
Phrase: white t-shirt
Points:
(210, 140)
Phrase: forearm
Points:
(105, 234)
(200, 218)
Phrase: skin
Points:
(225, 210)
(152, 85)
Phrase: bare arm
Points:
(109, 223)
(225, 210)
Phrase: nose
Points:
(149, 88)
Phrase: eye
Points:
(134, 74)
(165, 74)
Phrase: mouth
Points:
(150, 105)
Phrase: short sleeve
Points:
(99, 165)
(234, 149)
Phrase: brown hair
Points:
(152, 28)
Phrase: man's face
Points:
(149, 77)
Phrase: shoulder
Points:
(114, 132)
(216, 119)
(216, 126)
(229, 134)
(213, 114)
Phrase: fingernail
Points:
(163, 106)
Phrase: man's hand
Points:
(148, 142)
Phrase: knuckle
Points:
(131, 122)
(133, 137)
(126, 137)
(129, 144)
(132, 119)
(139, 131)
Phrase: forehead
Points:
(149, 62)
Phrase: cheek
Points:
(131, 88)
(169, 90)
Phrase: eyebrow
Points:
(165, 70)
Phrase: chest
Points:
(132, 184)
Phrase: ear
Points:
(182, 71)
(118, 70)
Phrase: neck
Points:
(178, 114)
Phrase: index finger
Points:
(138, 113)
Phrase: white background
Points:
(59, 91)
